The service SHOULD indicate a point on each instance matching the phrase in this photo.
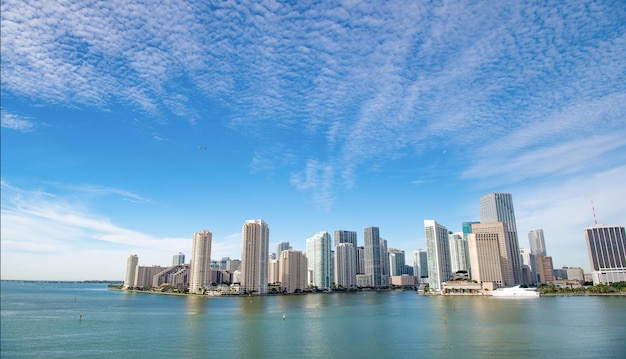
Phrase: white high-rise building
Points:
(498, 207)
(396, 262)
(607, 253)
(131, 270)
(458, 260)
(345, 265)
(273, 271)
(420, 265)
(437, 245)
(254, 256)
(200, 272)
(318, 253)
(373, 266)
(530, 260)
(537, 242)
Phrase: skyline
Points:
(126, 128)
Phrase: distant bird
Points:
(202, 148)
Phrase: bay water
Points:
(87, 320)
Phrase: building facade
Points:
(420, 265)
(200, 271)
(254, 256)
(373, 267)
(345, 265)
(437, 246)
(607, 253)
(537, 242)
(131, 269)
(293, 271)
(458, 253)
(318, 253)
(498, 207)
(485, 234)
(397, 262)
(178, 259)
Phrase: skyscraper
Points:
(485, 260)
(131, 270)
(254, 256)
(178, 259)
(200, 272)
(396, 262)
(439, 268)
(384, 264)
(537, 242)
(345, 265)
(318, 253)
(467, 229)
(607, 253)
(498, 207)
(373, 267)
(342, 236)
(280, 247)
(458, 253)
(420, 265)
(293, 270)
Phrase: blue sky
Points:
(127, 127)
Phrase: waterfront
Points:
(43, 320)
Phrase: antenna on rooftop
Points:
(595, 220)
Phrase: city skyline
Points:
(127, 127)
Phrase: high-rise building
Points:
(607, 253)
(273, 271)
(458, 253)
(254, 256)
(373, 267)
(420, 265)
(280, 247)
(537, 242)
(467, 229)
(529, 260)
(360, 260)
(200, 272)
(437, 245)
(396, 262)
(498, 207)
(488, 260)
(144, 276)
(131, 270)
(546, 269)
(318, 253)
(178, 259)
(342, 236)
(293, 270)
(384, 264)
(345, 265)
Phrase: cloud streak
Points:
(373, 82)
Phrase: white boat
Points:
(515, 292)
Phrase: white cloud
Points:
(15, 122)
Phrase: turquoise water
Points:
(42, 320)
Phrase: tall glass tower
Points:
(498, 207)
(438, 247)
(537, 242)
(318, 253)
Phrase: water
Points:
(42, 320)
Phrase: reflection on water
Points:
(40, 321)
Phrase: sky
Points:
(129, 126)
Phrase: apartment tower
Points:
(200, 271)
(437, 246)
(254, 256)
